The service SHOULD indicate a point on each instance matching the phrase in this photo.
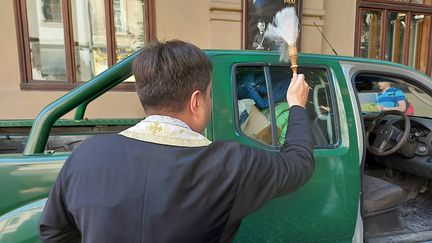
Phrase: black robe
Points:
(117, 189)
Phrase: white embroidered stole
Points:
(165, 133)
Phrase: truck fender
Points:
(20, 225)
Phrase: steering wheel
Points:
(389, 139)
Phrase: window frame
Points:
(264, 66)
(386, 6)
(21, 22)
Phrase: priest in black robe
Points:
(161, 180)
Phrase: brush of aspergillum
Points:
(285, 30)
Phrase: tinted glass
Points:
(263, 109)
(253, 104)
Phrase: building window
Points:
(397, 31)
(65, 43)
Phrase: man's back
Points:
(168, 194)
(129, 190)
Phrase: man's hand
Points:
(298, 91)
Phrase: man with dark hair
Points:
(161, 180)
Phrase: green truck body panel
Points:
(324, 210)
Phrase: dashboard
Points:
(419, 142)
(415, 155)
(418, 131)
(420, 137)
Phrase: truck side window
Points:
(263, 109)
(253, 104)
(378, 93)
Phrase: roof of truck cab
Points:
(212, 52)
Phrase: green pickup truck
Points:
(373, 168)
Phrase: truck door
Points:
(251, 108)
(387, 93)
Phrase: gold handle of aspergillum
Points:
(292, 52)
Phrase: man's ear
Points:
(194, 104)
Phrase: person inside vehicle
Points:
(391, 98)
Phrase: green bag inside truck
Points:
(373, 168)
